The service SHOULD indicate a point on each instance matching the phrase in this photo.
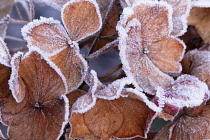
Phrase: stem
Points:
(111, 78)
(18, 21)
(32, 13)
(92, 48)
(14, 50)
(102, 50)
(14, 39)
(18, 11)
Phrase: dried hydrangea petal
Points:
(81, 18)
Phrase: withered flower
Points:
(43, 111)
(148, 51)
(81, 18)
(106, 111)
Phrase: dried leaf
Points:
(42, 108)
(187, 128)
(81, 18)
(113, 118)
(5, 7)
(200, 17)
(197, 63)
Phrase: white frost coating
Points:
(84, 103)
(66, 117)
(122, 47)
(145, 99)
(5, 57)
(13, 81)
(201, 3)
(97, 10)
(187, 91)
(113, 90)
(26, 30)
(52, 65)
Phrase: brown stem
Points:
(32, 11)
(102, 50)
(92, 48)
(14, 39)
(14, 50)
(18, 11)
(18, 21)
(111, 78)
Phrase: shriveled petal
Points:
(47, 35)
(197, 63)
(72, 65)
(154, 18)
(40, 78)
(181, 9)
(187, 128)
(136, 62)
(32, 121)
(166, 54)
(115, 118)
(16, 83)
(5, 57)
(81, 18)
(200, 17)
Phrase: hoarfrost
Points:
(5, 57)
(200, 3)
(81, 25)
(16, 84)
(187, 91)
(46, 34)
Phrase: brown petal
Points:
(81, 19)
(40, 78)
(199, 17)
(37, 122)
(46, 34)
(181, 10)
(166, 54)
(139, 66)
(187, 128)
(197, 63)
(16, 83)
(110, 27)
(115, 118)
(154, 19)
(72, 65)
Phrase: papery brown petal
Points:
(200, 17)
(44, 122)
(181, 10)
(46, 34)
(81, 18)
(114, 118)
(166, 54)
(5, 75)
(187, 128)
(40, 78)
(104, 120)
(140, 66)
(71, 65)
(5, 57)
(79, 128)
(154, 21)
(16, 83)
(110, 27)
(73, 96)
(197, 63)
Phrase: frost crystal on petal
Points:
(187, 91)
(81, 18)
(5, 57)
